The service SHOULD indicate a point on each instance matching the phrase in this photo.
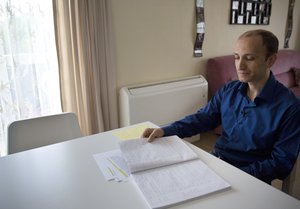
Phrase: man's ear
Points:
(271, 60)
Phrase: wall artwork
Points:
(250, 12)
(200, 25)
(289, 24)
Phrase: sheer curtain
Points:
(29, 78)
(88, 86)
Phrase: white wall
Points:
(154, 39)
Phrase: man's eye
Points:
(250, 58)
(236, 57)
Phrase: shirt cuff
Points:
(169, 130)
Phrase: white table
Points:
(66, 176)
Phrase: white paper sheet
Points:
(173, 184)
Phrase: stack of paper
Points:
(112, 165)
(168, 172)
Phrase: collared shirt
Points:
(261, 137)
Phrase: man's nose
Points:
(240, 64)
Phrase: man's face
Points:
(250, 60)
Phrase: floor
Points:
(207, 141)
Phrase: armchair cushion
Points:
(297, 76)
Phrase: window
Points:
(29, 77)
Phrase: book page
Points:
(141, 155)
(173, 184)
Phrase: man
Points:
(260, 117)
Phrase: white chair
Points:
(291, 185)
(41, 131)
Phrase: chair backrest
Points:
(41, 131)
(291, 185)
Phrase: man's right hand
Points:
(152, 133)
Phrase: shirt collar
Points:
(266, 92)
(268, 89)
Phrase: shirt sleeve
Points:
(284, 153)
(204, 119)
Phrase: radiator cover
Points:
(162, 102)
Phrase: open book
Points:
(167, 171)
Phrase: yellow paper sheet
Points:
(132, 132)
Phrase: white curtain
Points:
(29, 78)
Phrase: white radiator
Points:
(163, 102)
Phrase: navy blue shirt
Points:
(261, 137)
